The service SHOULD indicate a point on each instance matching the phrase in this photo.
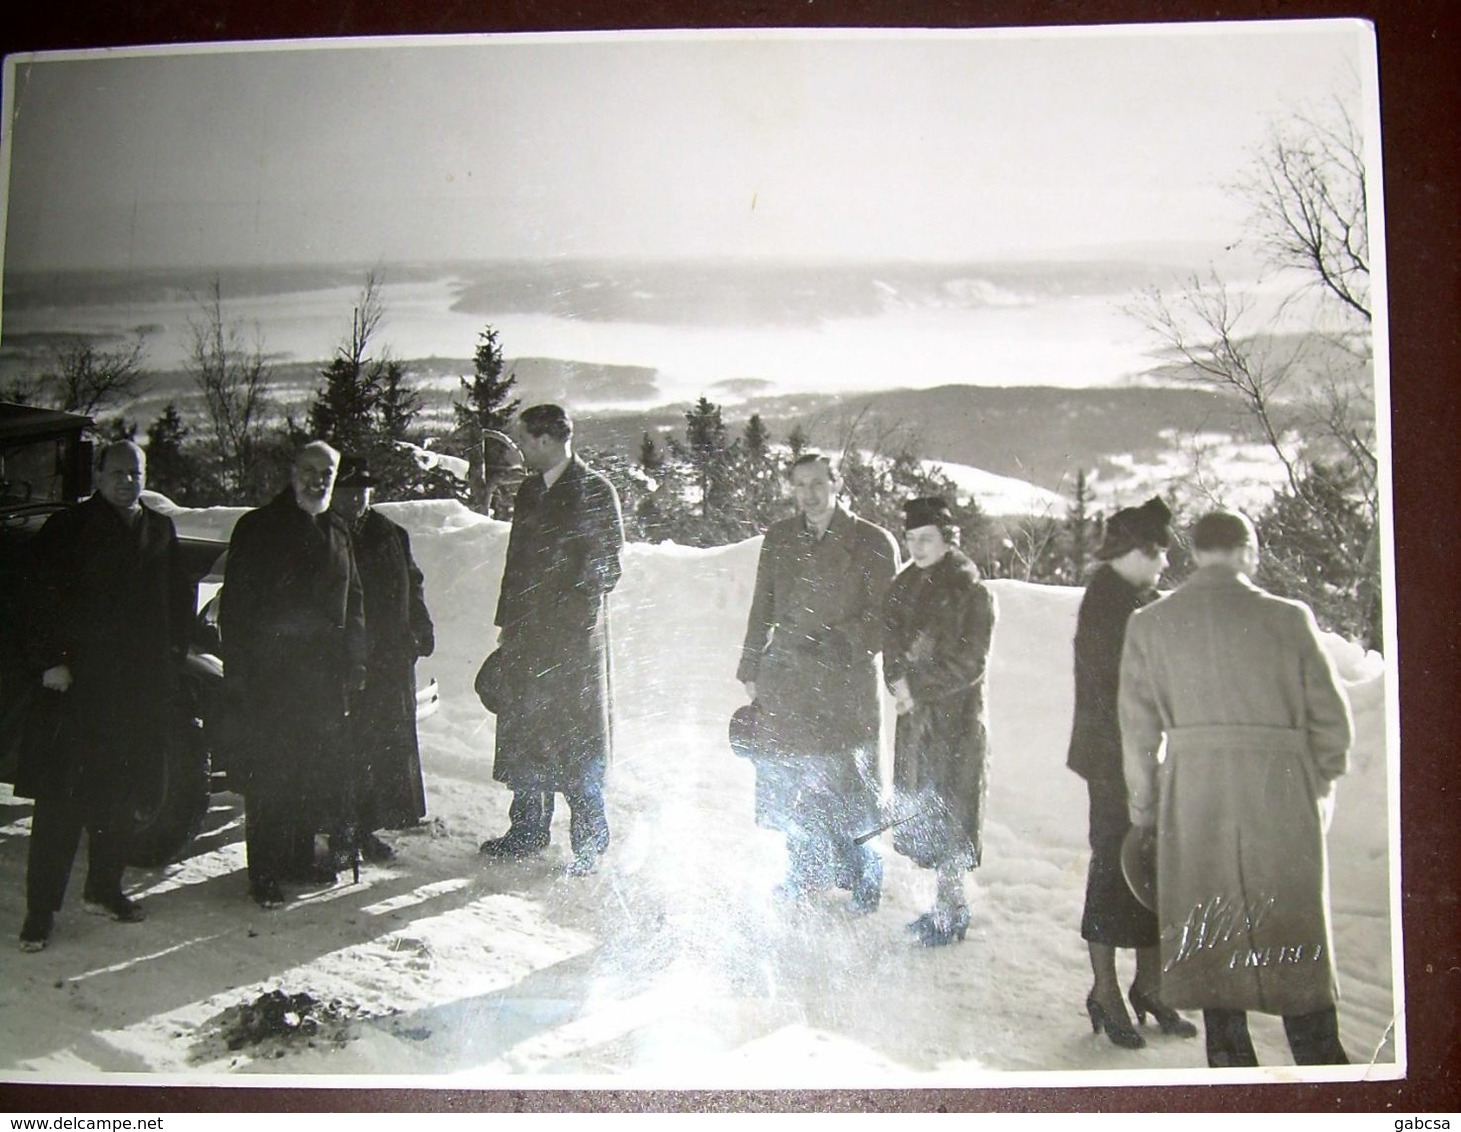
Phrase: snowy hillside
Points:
(672, 966)
(1000, 495)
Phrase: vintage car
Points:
(45, 466)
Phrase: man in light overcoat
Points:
(1257, 729)
(809, 663)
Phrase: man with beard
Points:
(109, 621)
(808, 661)
(554, 729)
(292, 624)
(389, 792)
(1257, 730)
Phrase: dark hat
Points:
(354, 472)
(488, 684)
(745, 723)
(1132, 527)
(927, 511)
(1139, 864)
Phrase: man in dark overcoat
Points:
(553, 732)
(808, 661)
(292, 623)
(389, 791)
(1236, 684)
(108, 623)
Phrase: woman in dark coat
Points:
(1132, 558)
(398, 630)
(938, 628)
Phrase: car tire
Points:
(168, 809)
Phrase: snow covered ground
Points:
(1001, 495)
(672, 966)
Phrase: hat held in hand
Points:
(745, 723)
(488, 684)
(1139, 864)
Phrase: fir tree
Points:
(707, 452)
(1078, 522)
(397, 403)
(343, 411)
(797, 440)
(487, 398)
(167, 470)
(650, 457)
(761, 475)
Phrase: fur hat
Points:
(1133, 527)
(927, 511)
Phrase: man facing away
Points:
(1257, 730)
(808, 661)
(554, 729)
(292, 623)
(108, 623)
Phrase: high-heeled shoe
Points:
(1119, 1029)
(1168, 1019)
(939, 931)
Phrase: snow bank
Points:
(672, 966)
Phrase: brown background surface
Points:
(1420, 91)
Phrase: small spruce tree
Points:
(487, 401)
(167, 466)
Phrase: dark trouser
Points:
(280, 841)
(531, 815)
(55, 834)
(815, 860)
(1313, 1038)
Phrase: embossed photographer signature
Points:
(1224, 921)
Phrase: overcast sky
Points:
(930, 147)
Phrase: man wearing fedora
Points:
(389, 793)
(1237, 684)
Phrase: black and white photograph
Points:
(740, 559)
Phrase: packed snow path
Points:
(673, 965)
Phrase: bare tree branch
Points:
(85, 377)
(1310, 209)
(233, 378)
